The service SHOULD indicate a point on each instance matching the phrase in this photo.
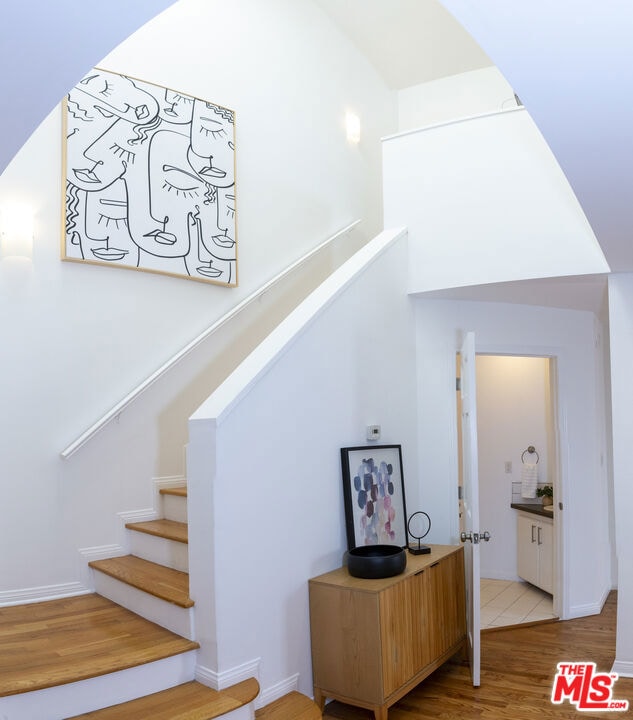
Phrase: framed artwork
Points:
(149, 177)
(373, 491)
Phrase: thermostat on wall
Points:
(373, 432)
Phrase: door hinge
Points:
(458, 384)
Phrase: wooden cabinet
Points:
(535, 550)
(374, 640)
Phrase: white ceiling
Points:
(570, 61)
(407, 41)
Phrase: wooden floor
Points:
(517, 671)
(52, 643)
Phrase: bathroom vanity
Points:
(535, 545)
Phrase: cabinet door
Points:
(422, 620)
(527, 549)
(400, 632)
(546, 556)
(447, 606)
(346, 650)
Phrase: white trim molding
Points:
(99, 552)
(42, 593)
(624, 668)
(276, 691)
(223, 680)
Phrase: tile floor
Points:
(504, 602)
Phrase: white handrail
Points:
(140, 389)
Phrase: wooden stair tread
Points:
(293, 706)
(158, 580)
(190, 701)
(170, 529)
(180, 491)
(62, 641)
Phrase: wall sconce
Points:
(352, 127)
(16, 231)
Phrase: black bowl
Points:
(376, 561)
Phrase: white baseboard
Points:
(276, 691)
(132, 516)
(624, 668)
(578, 611)
(222, 680)
(169, 481)
(99, 552)
(42, 593)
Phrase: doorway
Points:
(516, 410)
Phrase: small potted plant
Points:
(546, 493)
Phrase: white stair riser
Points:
(160, 550)
(64, 701)
(174, 508)
(247, 712)
(173, 617)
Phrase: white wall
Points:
(76, 338)
(457, 96)
(512, 413)
(270, 488)
(487, 187)
(620, 323)
(568, 335)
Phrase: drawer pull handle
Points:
(435, 563)
(419, 572)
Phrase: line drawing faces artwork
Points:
(150, 179)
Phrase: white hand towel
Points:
(529, 480)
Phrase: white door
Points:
(470, 480)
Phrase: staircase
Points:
(153, 580)
(127, 651)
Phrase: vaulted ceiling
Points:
(570, 61)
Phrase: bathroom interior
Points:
(517, 449)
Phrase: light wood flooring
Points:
(517, 671)
(61, 641)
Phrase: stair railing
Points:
(115, 411)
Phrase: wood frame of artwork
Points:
(149, 176)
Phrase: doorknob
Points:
(472, 537)
(475, 537)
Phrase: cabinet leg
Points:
(381, 712)
(319, 699)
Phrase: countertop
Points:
(534, 508)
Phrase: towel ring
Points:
(530, 449)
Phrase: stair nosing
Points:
(113, 567)
(150, 527)
(228, 700)
(178, 491)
